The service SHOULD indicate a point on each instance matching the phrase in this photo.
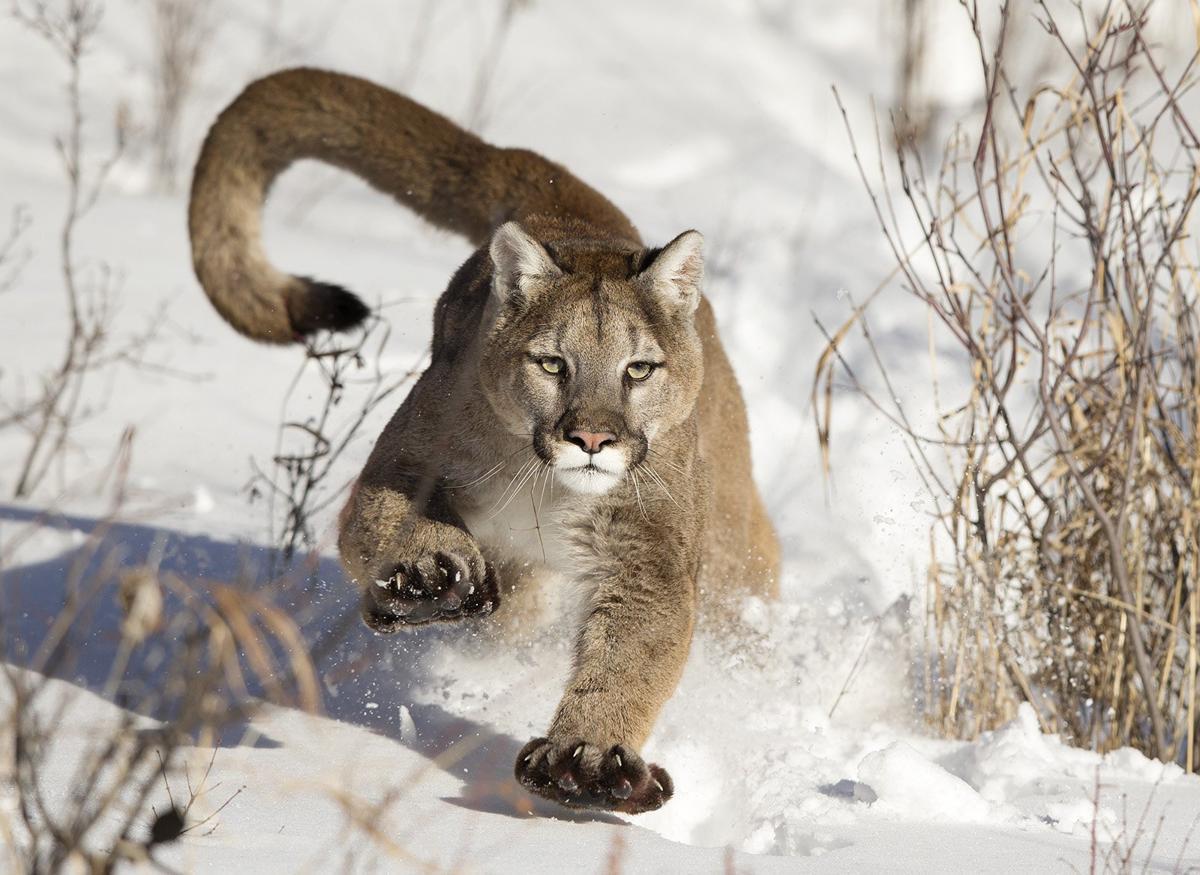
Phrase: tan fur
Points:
(661, 524)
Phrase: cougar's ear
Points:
(516, 259)
(675, 273)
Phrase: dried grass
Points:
(1055, 260)
(196, 655)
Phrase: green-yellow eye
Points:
(639, 370)
(552, 364)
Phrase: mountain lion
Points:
(564, 350)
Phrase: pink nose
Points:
(590, 441)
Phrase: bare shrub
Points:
(183, 29)
(187, 823)
(418, 44)
(299, 484)
(1116, 846)
(52, 413)
(1057, 265)
(485, 71)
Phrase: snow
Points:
(904, 781)
(797, 751)
(36, 543)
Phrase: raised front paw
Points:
(581, 775)
(445, 585)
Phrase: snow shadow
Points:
(366, 679)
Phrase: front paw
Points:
(445, 585)
(581, 775)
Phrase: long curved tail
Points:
(425, 161)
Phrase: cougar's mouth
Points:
(589, 473)
(588, 479)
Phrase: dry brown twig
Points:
(299, 486)
(14, 255)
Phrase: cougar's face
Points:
(590, 368)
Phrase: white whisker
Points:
(530, 469)
(547, 470)
(537, 521)
(483, 478)
(638, 492)
(491, 472)
(662, 484)
(660, 459)
(512, 486)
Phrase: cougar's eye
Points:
(552, 364)
(639, 370)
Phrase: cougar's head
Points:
(592, 354)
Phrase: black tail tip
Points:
(317, 306)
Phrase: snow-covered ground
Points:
(800, 751)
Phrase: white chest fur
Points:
(522, 526)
